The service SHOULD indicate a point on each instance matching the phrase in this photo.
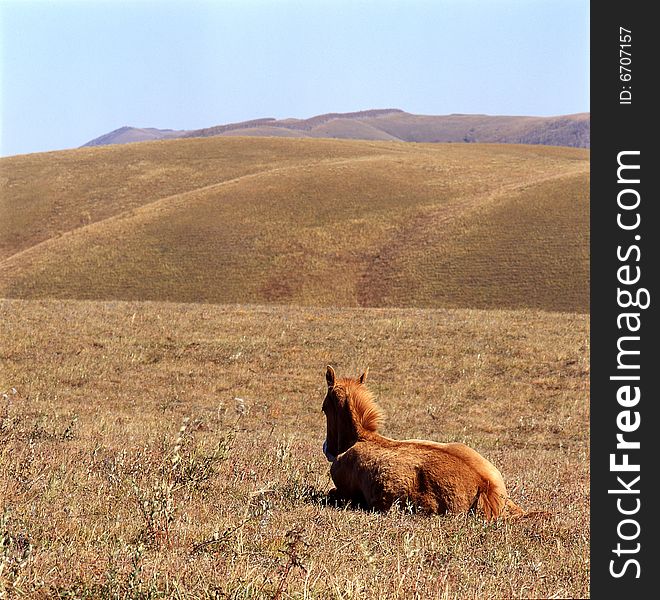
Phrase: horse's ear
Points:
(363, 377)
(330, 376)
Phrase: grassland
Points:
(155, 450)
(167, 310)
(299, 221)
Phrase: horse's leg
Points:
(346, 491)
(335, 498)
(338, 495)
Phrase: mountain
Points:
(315, 222)
(128, 135)
(390, 125)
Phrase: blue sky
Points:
(71, 71)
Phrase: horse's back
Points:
(475, 482)
(453, 453)
(434, 476)
(492, 496)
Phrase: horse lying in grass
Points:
(375, 472)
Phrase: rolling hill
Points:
(320, 222)
(389, 124)
(128, 400)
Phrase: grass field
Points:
(311, 222)
(167, 311)
(154, 450)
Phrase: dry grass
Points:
(154, 450)
(527, 248)
(45, 195)
(300, 221)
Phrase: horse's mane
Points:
(362, 404)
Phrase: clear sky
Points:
(71, 71)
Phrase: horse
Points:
(374, 472)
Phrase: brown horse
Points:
(375, 472)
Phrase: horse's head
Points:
(344, 406)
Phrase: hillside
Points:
(300, 221)
(390, 124)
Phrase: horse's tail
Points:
(511, 511)
(487, 502)
(492, 504)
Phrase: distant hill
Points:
(389, 124)
(300, 221)
(128, 135)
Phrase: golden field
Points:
(167, 310)
(104, 497)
